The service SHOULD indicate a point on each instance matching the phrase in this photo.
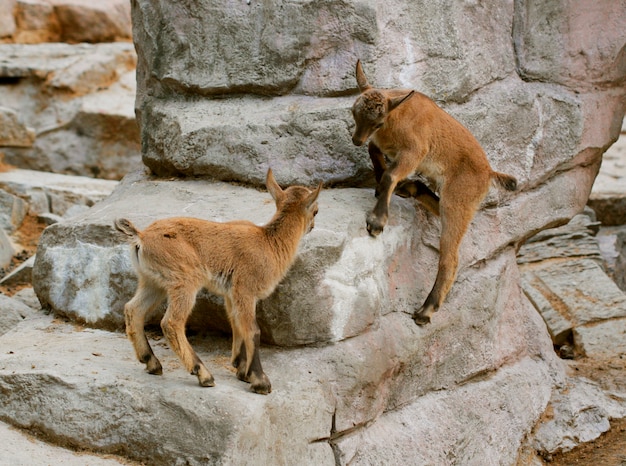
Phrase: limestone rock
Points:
(563, 275)
(7, 250)
(556, 43)
(13, 209)
(612, 242)
(87, 21)
(75, 21)
(580, 412)
(12, 132)
(22, 274)
(602, 339)
(227, 94)
(36, 22)
(12, 312)
(608, 196)
(17, 446)
(79, 101)
(7, 19)
(326, 297)
(52, 193)
(321, 396)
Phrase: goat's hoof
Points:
(260, 385)
(154, 367)
(206, 381)
(422, 316)
(374, 225)
(421, 319)
(241, 375)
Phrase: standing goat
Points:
(417, 136)
(175, 258)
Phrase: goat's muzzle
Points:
(358, 141)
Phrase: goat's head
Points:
(295, 198)
(371, 108)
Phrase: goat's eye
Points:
(315, 212)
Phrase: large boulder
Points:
(225, 92)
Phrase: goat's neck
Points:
(283, 233)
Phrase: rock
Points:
(13, 209)
(227, 94)
(554, 43)
(36, 22)
(601, 340)
(608, 196)
(392, 439)
(573, 240)
(6, 249)
(22, 274)
(12, 312)
(340, 299)
(321, 395)
(87, 21)
(27, 296)
(7, 20)
(18, 447)
(563, 276)
(49, 193)
(82, 112)
(74, 21)
(612, 242)
(580, 412)
(12, 132)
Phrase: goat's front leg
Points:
(146, 300)
(173, 324)
(238, 351)
(377, 218)
(248, 360)
(379, 164)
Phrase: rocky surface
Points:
(370, 385)
(74, 21)
(69, 108)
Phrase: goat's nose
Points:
(357, 141)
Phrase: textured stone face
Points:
(297, 49)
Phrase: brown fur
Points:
(175, 258)
(417, 136)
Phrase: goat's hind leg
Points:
(455, 220)
(146, 300)
(181, 302)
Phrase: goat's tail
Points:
(125, 226)
(508, 182)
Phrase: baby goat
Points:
(417, 136)
(175, 258)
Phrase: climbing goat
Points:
(417, 136)
(175, 258)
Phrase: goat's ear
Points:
(273, 188)
(313, 196)
(393, 103)
(361, 80)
